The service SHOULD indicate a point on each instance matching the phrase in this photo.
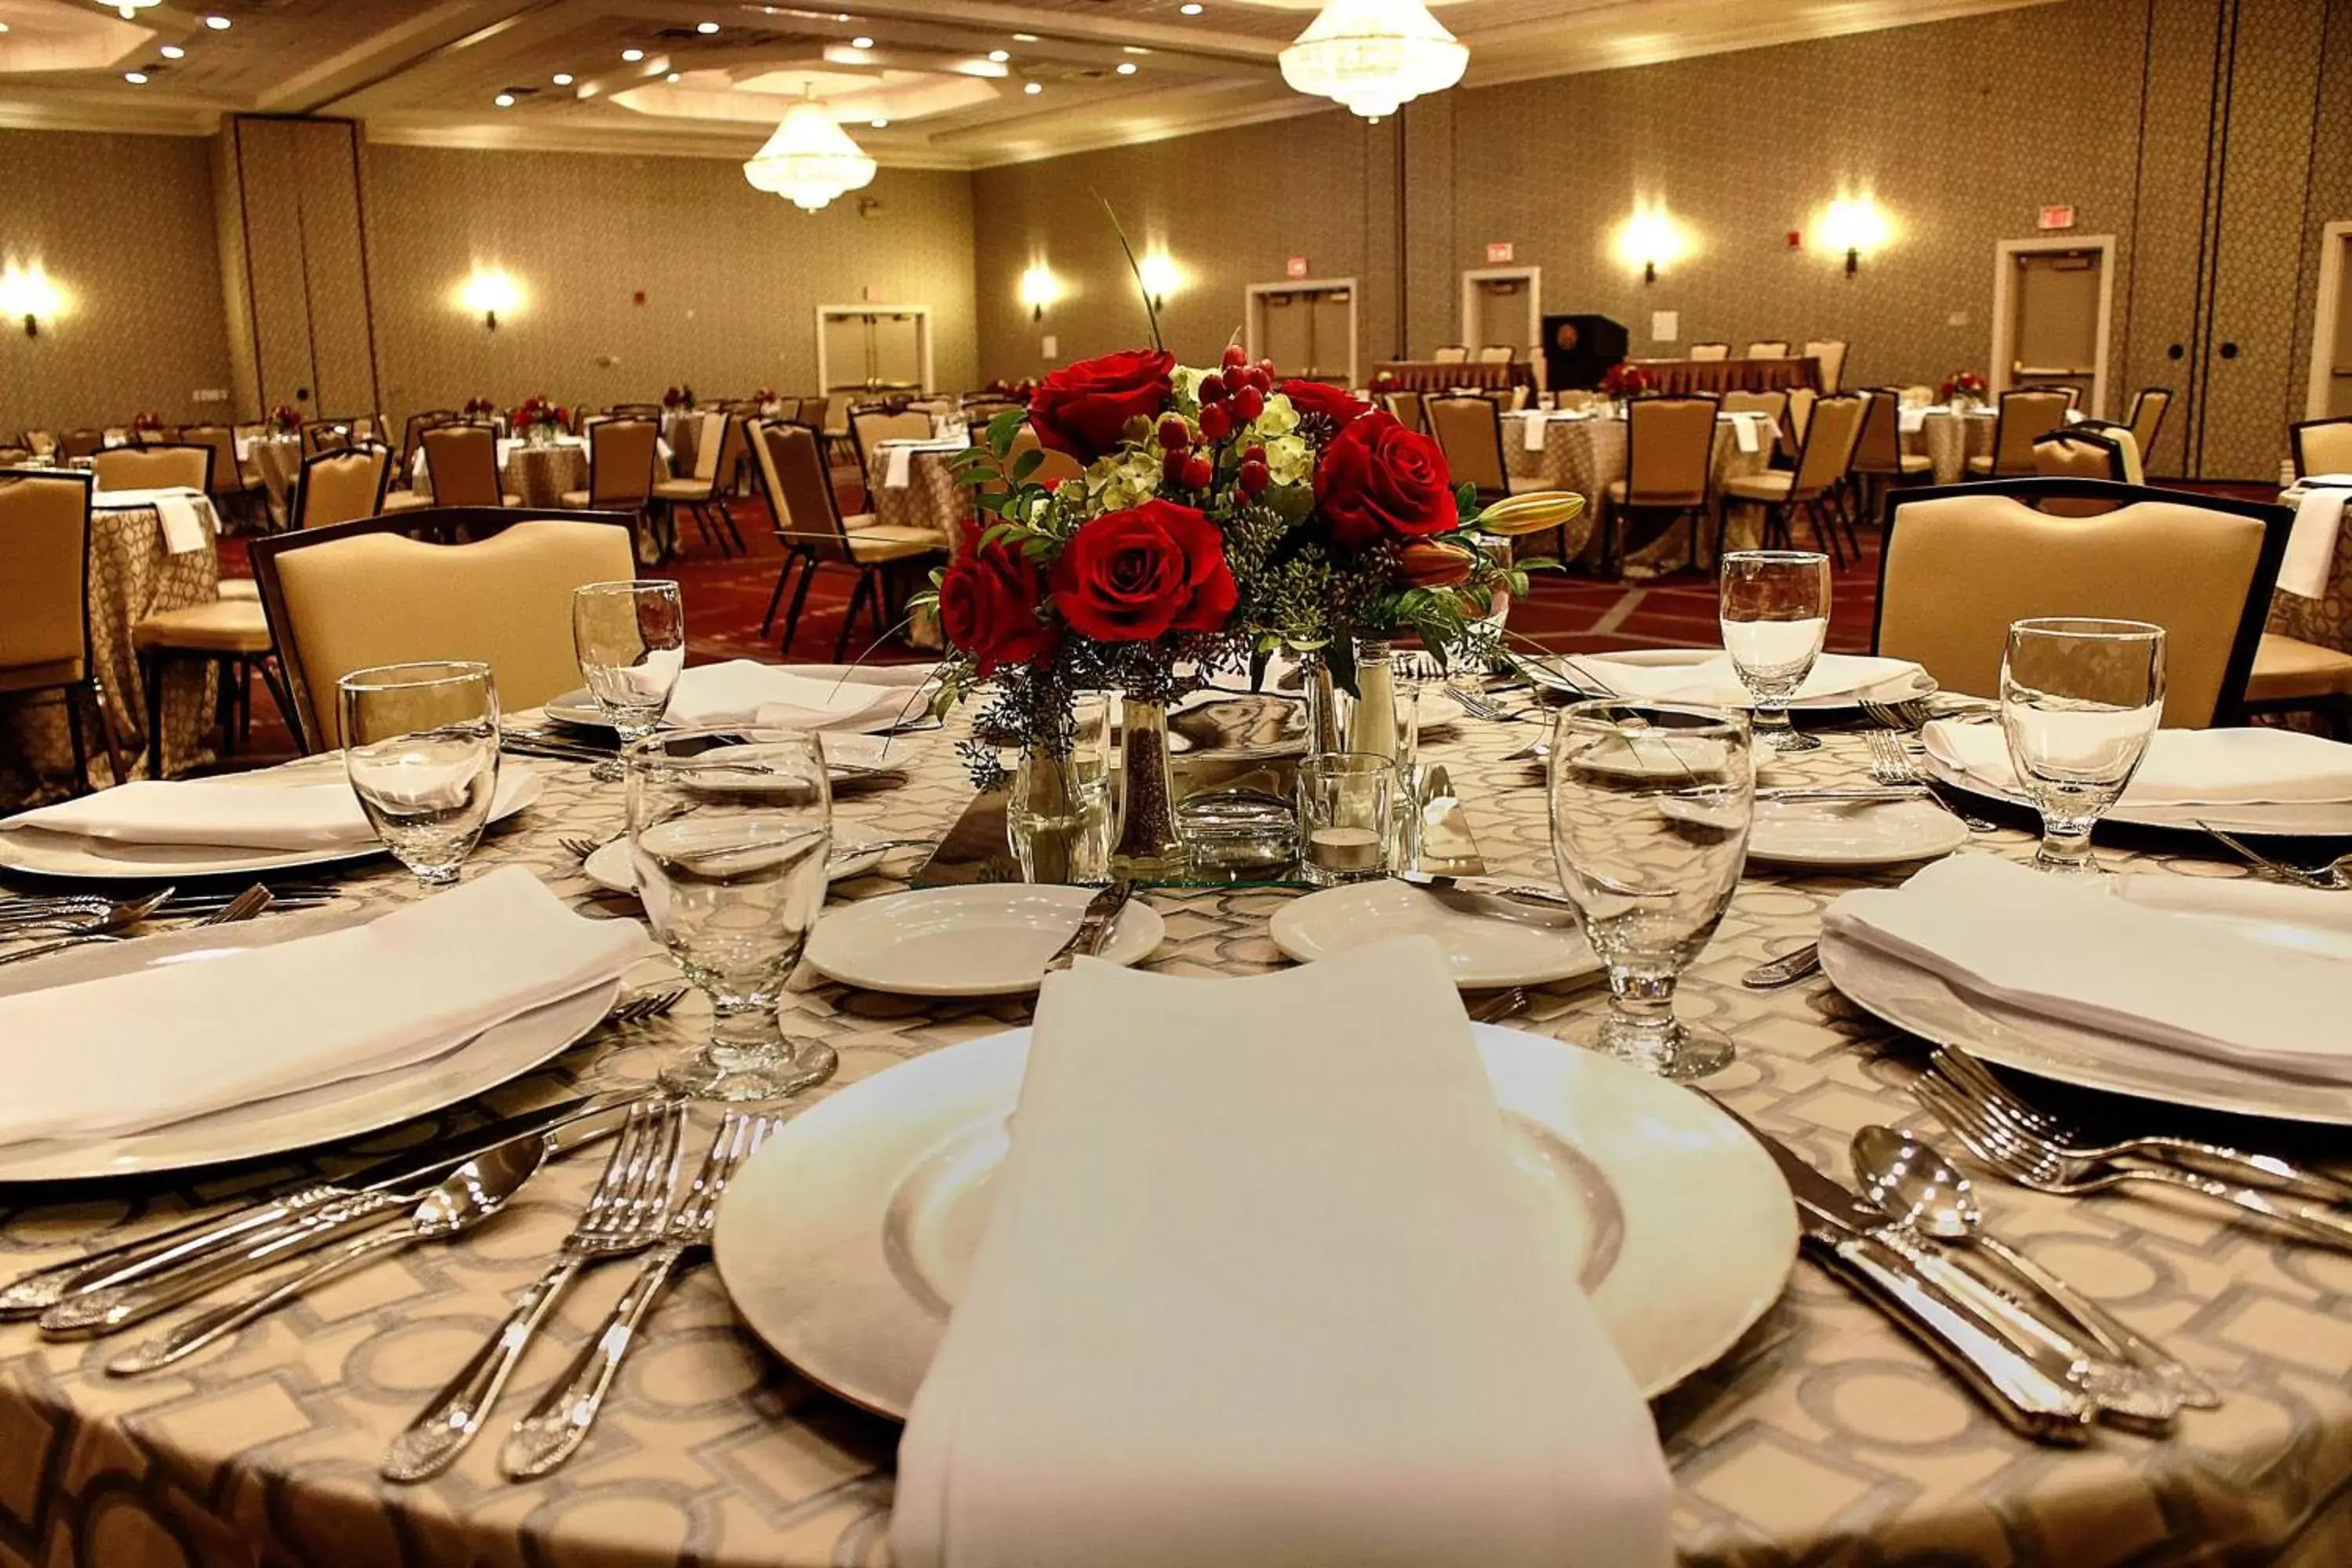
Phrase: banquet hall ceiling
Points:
(715, 74)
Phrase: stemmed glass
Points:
(728, 830)
(1775, 609)
(1650, 811)
(630, 640)
(421, 750)
(2080, 698)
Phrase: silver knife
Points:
(105, 1309)
(1491, 888)
(1849, 1239)
(1095, 926)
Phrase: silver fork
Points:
(1976, 1084)
(580, 848)
(2037, 1165)
(1892, 766)
(1479, 707)
(627, 1212)
(652, 1005)
(560, 1423)
(2333, 877)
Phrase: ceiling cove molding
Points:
(1230, 121)
(613, 143)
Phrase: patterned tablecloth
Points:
(1824, 1438)
(538, 475)
(131, 576)
(1587, 456)
(1950, 440)
(2326, 621)
(930, 497)
(277, 462)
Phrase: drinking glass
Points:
(728, 831)
(421, 750)
(630, 640)
(1650, 810)
(1057, 808)
(1775, 609)
(2080, 698)
(1347, 806)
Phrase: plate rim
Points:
(1924, 685)
(1146, 918)
(1944, 773)
(1282, 930)
(1870, 862)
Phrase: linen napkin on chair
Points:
(742, 691)
(2064, 948)
(1263, 1287)
(2183, 767)
(178, 511)
(162, 1045)
(230, 813)
(1713, 679)
(2310, 558)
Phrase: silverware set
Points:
(1480, 707)
(2335, 877)
(1095, 926)
(88, 912)
(1893, 767)
(109, 923)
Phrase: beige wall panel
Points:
(334, 256)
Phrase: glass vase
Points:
(1058, 817)
(1324, 718)
(538, 435)
(1146, 849)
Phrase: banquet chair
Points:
(461, 459)
(716, 449)
(2322, 445)
(2149, 405)
(1814, 486)
(1469, 431)
(155, 436)
(1496, 353)
(81, 443)
(623, 454)
(487, 584)
(412, 439)
(1406, 407)
(327, 434)
(1799, 418)
(634, 411)
(1963, 561)
(44, 634)
(1879, 460)
(157, 467)
(1773, 405)
(1828, 355)
(1451, 353)
(1669, 458)
(40, 443)
(1770, 348)
(2024, 414)
(228, 483)
(870, 423)
(1708, 351)
(340, 486)
(2074, 453)
(813, 534)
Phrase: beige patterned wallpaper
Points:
(123, 228)
(2330, 197)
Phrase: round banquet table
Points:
(1824, 1436)
(277, 462)
(1949, 439)
(132, 576)
(538, 475)
(2326, 620)
(1587, 456)
(932, 498)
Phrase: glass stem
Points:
(2065, 842)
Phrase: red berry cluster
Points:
(1231, 397)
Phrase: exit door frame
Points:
(1250, 293)
(2005, 267)
(922, 314)
(2335, 239)
(1473, 276)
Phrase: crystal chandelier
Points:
(1374, 55)
(810, 159)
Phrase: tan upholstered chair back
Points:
(1879, 448)
(1669, 450)
(1470, 433)
(1799, 418)
(2024, 415)
(2148, 410)
(872, 425)
(2077, 454)
(1831, 434)
(327, 434)
(81, 443)
(1055, 468)
(413, 435)
(339, 487)
(1961, 566)
(45, 528)
(380, 597)
(1406, 406)
(1828, 355)
(1496, 353)
(1771, 347)
(1710, 351)
(462, 461)
(228, 477)
(2323, 445)
(799, 489)
(710, 445)
(1452, 354)
(1773, 405)
(733, 448)
(154, 467)
(836, 410)
(621, 453)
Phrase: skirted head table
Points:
(1824, 1436)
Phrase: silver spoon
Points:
(1915, 1185)
(121, 917)
(473, 1193)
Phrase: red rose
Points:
(1379, 481)
(1130, 576)
(988, 606)
(1083, 408)
(1321, 397)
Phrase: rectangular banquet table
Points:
(1446, 375)
(1676, 376)
(1824, 1437)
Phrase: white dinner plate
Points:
(1833, 835)
(2303, 818)
(1901, 687)
(610, 869)
(45, 854)
(285, 1122)
(846, 1239)
(1488, 943)
(987, 939)
(1930, 1007)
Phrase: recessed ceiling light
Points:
(881, 124)
(1025, 38)
(1034, 88)
(136, 78)
(172, 52)
(705, 28)
(4, 27)
(504, 100)
(861, 42)
(218, 24)
(1190, 10)
(562, 78)
(1126, 67)
(672, 76)
(632, 56)
(1134, 50)
(1000, 56)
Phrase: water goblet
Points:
(728, 831)
(630, 640)
(1775, 612)
(421, 750)
(2080, 698)
(1650, 811)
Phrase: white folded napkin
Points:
(1743, 427)
(2060, 947)
(2183, 767)
(135, 1051)
(1713, 680)
(1317, 1322)
(1911, 418)
(234, 813)
(741, 692)
(1534, 431)
(2310, 559)
(184, 513)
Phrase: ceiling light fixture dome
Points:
(810, 160)
(1374, 55)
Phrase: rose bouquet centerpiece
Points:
(1624, 381)
(146, 423)
(767, 402)
(1965, 389)
(679, 399)
(480, 408)
(538, 420)
(286, 420)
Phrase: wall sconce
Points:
(1650, 238)
(1039, 288)
(26, 292)
(1161, 278)
(1854, 227)
(486, 292)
